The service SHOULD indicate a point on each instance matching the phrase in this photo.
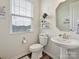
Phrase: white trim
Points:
(20, 55)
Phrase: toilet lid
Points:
(36, 46)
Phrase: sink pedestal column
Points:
(67, 54)
(64, 53)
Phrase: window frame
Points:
(11, 31)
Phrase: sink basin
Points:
(66, 43)
(66, 46)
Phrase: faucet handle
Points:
(60, 35)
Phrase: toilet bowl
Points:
(37, 49)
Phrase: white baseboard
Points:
(20, 55)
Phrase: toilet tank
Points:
(43, 39)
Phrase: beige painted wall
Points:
(11, 43)
(49, 6)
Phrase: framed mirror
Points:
(67, 16)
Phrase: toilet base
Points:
(37, 54)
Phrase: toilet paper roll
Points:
(24, 41)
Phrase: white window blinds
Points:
(22, 7)
(21, 11)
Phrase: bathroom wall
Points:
(11, 43)
(49, 6)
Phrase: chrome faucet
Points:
(65, 36)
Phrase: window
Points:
(21, 12)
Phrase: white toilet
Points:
(37, 49)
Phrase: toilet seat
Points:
(36, 47)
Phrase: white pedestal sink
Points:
(65, 46)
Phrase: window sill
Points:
(21, 32)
